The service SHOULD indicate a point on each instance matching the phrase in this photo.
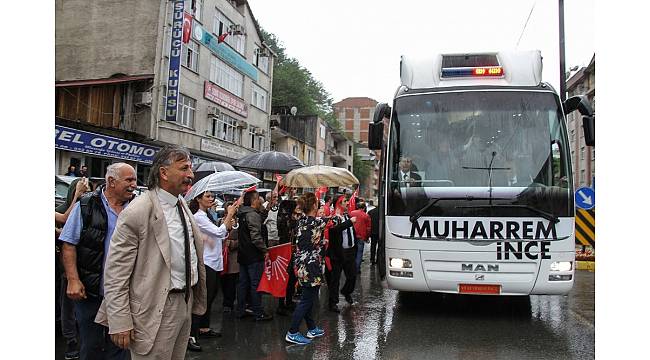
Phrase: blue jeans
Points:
(249, 279)
(95, 343)
(360, 245)
(304, 309)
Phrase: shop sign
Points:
(217, 95)
(95, 144)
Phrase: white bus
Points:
(477, 189)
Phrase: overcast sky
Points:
(353, 47)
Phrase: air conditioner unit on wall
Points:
(236, 29)
(142, 98)
(242, 124)
(259, 131)
(213, 111)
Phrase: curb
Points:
(586, 265)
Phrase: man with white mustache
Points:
(86, 237)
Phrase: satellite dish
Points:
(294, 110)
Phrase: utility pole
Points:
(562, 71)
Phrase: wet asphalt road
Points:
(384, 324)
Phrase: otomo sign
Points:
(174, 75)
(91, 143)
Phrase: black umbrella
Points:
(269, 161)
(210, 167)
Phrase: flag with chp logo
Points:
(275, 277)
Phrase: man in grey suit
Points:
(154, 274)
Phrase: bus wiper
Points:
(413, 218)
(546, 215)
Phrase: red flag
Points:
(352, 204)
(275, 277)
(222, 38)
(187, 27)
(252, 188)
(283, 189)
(327, 211)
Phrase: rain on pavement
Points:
(384, 324)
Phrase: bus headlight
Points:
(400, 263)
(561, 266)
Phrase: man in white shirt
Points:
(154, 277)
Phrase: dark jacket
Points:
(252, 247)
(285, 220)
(90, 250)
(374, 222)
(335, 247)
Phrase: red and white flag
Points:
(187, 27)
(275, 277)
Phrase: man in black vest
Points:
(342, 251)
(86, 237)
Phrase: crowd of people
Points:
(140, 276)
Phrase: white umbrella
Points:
(319, 175)
(220, 182)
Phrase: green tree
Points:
(360, 168)
(294, 85)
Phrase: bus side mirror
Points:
(588, 126)
(581, 103)
(376, 128)
(375, 135)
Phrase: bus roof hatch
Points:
(522, 68)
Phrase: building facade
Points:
(583, 157)
(355, 114)
(136, 76)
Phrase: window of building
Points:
(310, 157)
(349, 150)
(190, 57)
(186, 110)
(259, 143)
(259, 97)
(573, 135)
(274, 146)
(582, 153)
(225, 128)
(262, 62)
(194, 8)
(321, 158)
(294, 150)
(256, 140)
(582, 176)
(221, 25)
(349, 168)
(322, 131)
(226, 77)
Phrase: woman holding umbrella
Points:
(308, 268)
(212, 257)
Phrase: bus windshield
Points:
(481, 153)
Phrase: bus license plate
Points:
(479, 289)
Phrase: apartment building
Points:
(132, 77)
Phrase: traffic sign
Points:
(585, 198)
